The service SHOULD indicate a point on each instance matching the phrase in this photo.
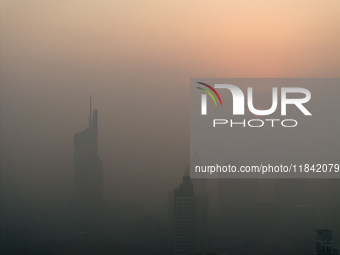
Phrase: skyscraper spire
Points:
(88, 174)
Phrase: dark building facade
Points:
(184, 218)
(200, 186)
(324, 244)
(88, 172)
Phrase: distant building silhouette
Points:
(201, 190)
(88, 172)
(184, 218)
(324, 244)
(235, 200)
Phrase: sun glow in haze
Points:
(205, 38)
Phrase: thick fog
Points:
(136, 59)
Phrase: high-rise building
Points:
(201, 190)
(235, 200)
(88, 171)
(184, 210)
(324, 244)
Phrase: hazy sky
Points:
(136, 59)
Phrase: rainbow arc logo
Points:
(209, 93)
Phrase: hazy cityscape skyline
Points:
(263, 213)
(136, 59)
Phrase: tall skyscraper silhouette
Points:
(201, 190)
(184, 222)
(235, 198)
(88, 171)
